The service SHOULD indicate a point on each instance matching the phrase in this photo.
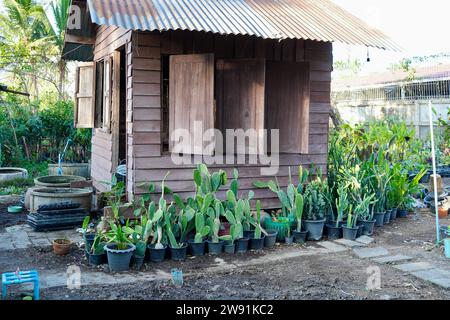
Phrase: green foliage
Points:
(315, 202)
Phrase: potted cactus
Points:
(235, 232)
(315, 207)
(334, 228)
(349, 229)
(365, 214)
(257, 240)
(299, 234)
(119, 248)
(216, 242)
(197, 245)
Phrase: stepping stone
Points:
(333, 247)
(365, 240)
(436, 276)
(371, 252)
(392, 259)
(349, 243)
(414, 266)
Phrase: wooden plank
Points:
(149, 39)
(288, 50)
(143, 151)
(240, 97)
(146, 126)
(84, 110)
(299, 50)
(243, 47)
(146, 89)
(146, 64)
(287, 94)
(147, 114)
(223, 47)
(146, 138)
(145, 76)
(146, 101)
(147, 52)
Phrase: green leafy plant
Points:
(342, 203)
(315, 204)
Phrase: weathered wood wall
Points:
(108, 39)
(146, 162)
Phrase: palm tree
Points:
(60, 12)
(25, 33)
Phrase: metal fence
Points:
(414, 90)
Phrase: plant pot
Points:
(215, 248)
(119, 260)
(224, 229)
(289, 240)
(368, 227)
(360, 231)
(241, 245)
(61, 247)
(97, 259)
(300, 237)
(393, 214)
(229, 248)
(89, 240)
(179, 254)
(257, 244)
(379, 218)
(156, 255)
(402, 213)
(196, 249)
(387, 217)
(315, 229)
(249, 233)
(333, 232)
(137, 262)
(442, 213)
(349, 233)
(271, 238)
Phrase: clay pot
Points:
(442, 213)
(61, 247)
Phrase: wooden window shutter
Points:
(107, 94)
(240, 97)
(287, 104)
(191, 98)
(84, 96)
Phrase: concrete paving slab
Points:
(370, 252)
(414, 266)
(436, 276)
(392, 259)
(331, 246)
(365, 240)
(349, 243)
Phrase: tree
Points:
(60, 11)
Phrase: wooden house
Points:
(148, 67)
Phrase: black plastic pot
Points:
(196, 249)
(271, 238)
(97, 259)
(89, 240)
(137, 262)
(315, 229)
(333, 232)
(387, 217)
(402, 213)
(257, 244)
(300, 237)
(229, 248)
(249, 233)
(393, 214)
(215, 247)
(360, 230)
(179, 254)
(119, 260)
(368, 227)
(156, 255)
(349, 233)
(289, 240)
(379, 218)
(241, 245)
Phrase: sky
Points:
(419, 27)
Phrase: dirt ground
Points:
(324, 276)
(10, 219)
(340, 276)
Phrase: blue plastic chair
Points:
(10, 278)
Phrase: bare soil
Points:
(325, 276)
(11, 219)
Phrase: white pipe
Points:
(433, 158)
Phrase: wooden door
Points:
(287, 104)
(191, 98)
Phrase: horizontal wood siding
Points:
(108, 39)
(145, 159)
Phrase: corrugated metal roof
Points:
(319, 20)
